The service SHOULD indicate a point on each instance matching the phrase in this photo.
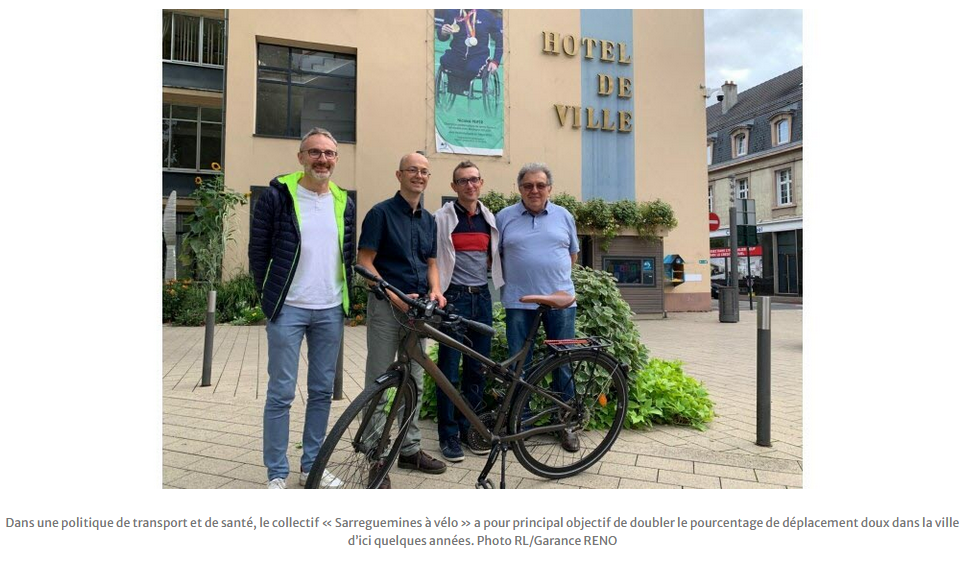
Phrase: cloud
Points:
(749, 47)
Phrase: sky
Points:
(750, 47)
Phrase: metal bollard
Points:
(763, 373)
(209, 341)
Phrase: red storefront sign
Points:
(740, 252)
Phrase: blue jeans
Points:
(323, 330)
(476, 307)
(558, 324)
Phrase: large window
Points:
(631, 271)
(784, 187)
(191, 137)
(192, 39)
(299, 89)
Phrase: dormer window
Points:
(740, 139)
(780, 128)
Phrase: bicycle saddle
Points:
(556, 300)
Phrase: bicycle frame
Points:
(413, 352)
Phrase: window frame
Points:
(775, 122)
(289, 84)
(737, 134)
(778, 185)
(639, 260)
(198, 121)
(740, 183)
(201, 51)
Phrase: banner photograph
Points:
(468, 81)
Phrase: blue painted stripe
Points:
(607, 158)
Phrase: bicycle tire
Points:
(597, 413)
(353, 447)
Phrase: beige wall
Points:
(395, 110)
(762, 175)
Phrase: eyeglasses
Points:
(317, 153)
(414, 171)
(528, 187)
(469, 181)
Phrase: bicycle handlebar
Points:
(422, 308)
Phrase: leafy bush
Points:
(192, 307)
(661, 393)
(655, 216)
(236, 298)
(605, 219)
(358, 299)
(249, 316)
(185, 302)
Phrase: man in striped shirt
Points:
(467, 245)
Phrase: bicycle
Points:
(531, 416)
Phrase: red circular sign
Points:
(713, 222)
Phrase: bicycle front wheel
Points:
(366, 439)
(586, 392)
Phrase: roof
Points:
(755, 101)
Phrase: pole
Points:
(209, 340)
(749, 276)
(763, 373)
(733, 254)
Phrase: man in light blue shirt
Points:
(539, 244)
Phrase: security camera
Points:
(720, 97)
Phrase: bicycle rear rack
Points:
(575, 344)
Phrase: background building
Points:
(609, 99)
(755, 139)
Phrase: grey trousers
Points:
(384, 339)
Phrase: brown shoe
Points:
(569, 440)
(374, 471)
(422, 462)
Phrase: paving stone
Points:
(730, 483)
(764, 476)
(198, 480)
(688, 480)
(220, 427)
(717, 470)
(627, 483)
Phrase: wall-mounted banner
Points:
(469, 81)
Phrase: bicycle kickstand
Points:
(482, 480)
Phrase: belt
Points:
(469, 290)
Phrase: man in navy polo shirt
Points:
(467, 244)
(398, 242)
(539, 244)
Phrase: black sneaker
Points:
(422, 462)
(480, 450)
(451, 451)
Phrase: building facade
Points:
(754, 150)
(609, 99)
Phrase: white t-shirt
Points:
(317, 283)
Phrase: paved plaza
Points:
(212, 436)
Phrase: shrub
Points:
(358, 299)
(661, 393)
(236, 298)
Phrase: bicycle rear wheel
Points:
(594, 412)
(366, 439)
